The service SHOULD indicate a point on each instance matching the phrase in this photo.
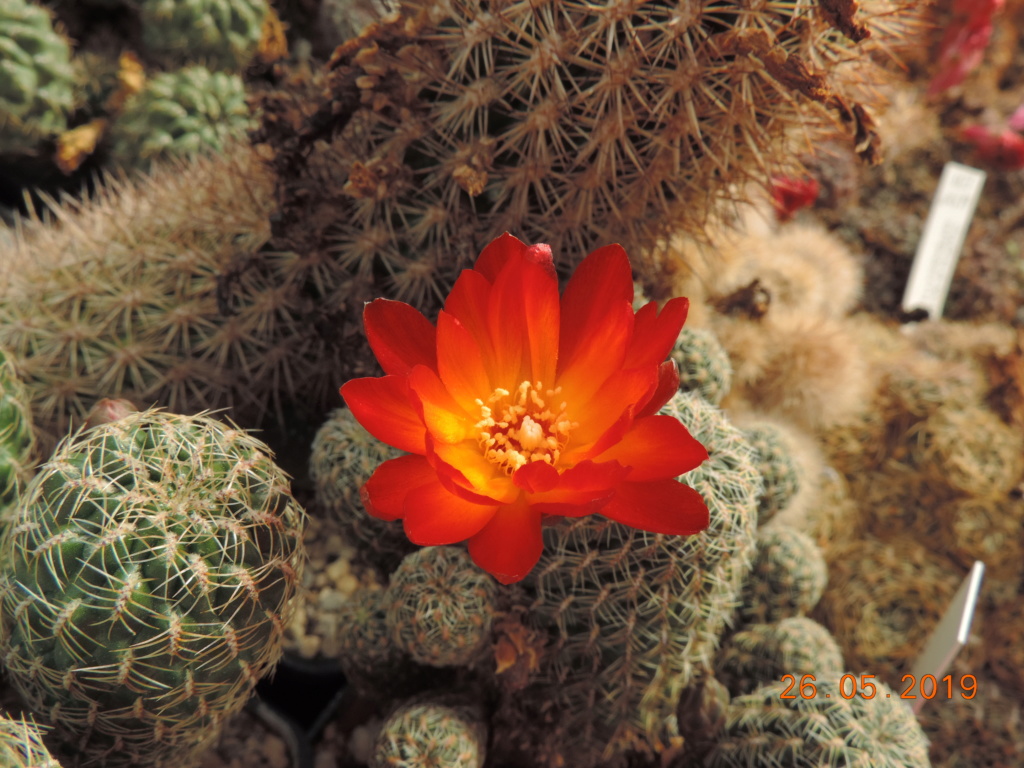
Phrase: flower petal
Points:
(468, 303)
(668, 385)
(433, 516)
(468, 473)
(602, 281)
(400, 336)
(536, 477)
(384, 493)
(506, 249)
(510, 544)
(659, 506)
(608, 415)
(445, 419)
(655, 333)
(460, 362)
(384, 407)
(523, 320)
(585, 368)
(581, 490)
(657, 447)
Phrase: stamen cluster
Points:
(518, 428)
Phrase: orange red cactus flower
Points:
(521, 404)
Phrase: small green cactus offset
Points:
(788, 577)
(763, 653)
(440, 607)
(777, 468)
(178, 114)
(17, 438)
(21, 745)
(344, 456)
(223, 34)
(704, 365)
(36, 76)
(432, 734)
(145, 585)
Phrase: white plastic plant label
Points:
(944, 233)
(929, 679)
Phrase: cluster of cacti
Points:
(825, 729)
(21, 745)
(440, 607)
(36, 77)
(703, 364)
(968, 447)
(179, 114)
(222, 34)
(760, 654)
(636, 617)
(427, 733)
(160, 291)
(883, 600)
(17, 437)
(777, 467)
(787, 577)
(343, 457)
(145, 585)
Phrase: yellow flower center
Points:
(519, 427)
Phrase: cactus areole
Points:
(522, 403)
(145, 585)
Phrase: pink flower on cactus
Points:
(965, 41)
(1001, 150)
(522, 404)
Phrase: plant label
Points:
(943, 237)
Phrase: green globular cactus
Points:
(21, 745)
(222, 34)
(17, 438)
(703, 364)
(343, 457)
(179, 114)
(636, 617)
(787, 579)
(821, 730)
(145, 585)
(36, 76)
(440, 607)
(763, 653)
(777, 468)
(432, 734)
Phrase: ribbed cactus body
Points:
(574, 124)
(826, 729)
(219, 33)
(703, 364)
(17, 438)
(440, 607)
(21, 745)
(343, 458)
(179, 114)
(777, 468)
(431, 734)
(788, 576)
(145, 585)
(35, 76)
(635, 616)
(763, 653)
